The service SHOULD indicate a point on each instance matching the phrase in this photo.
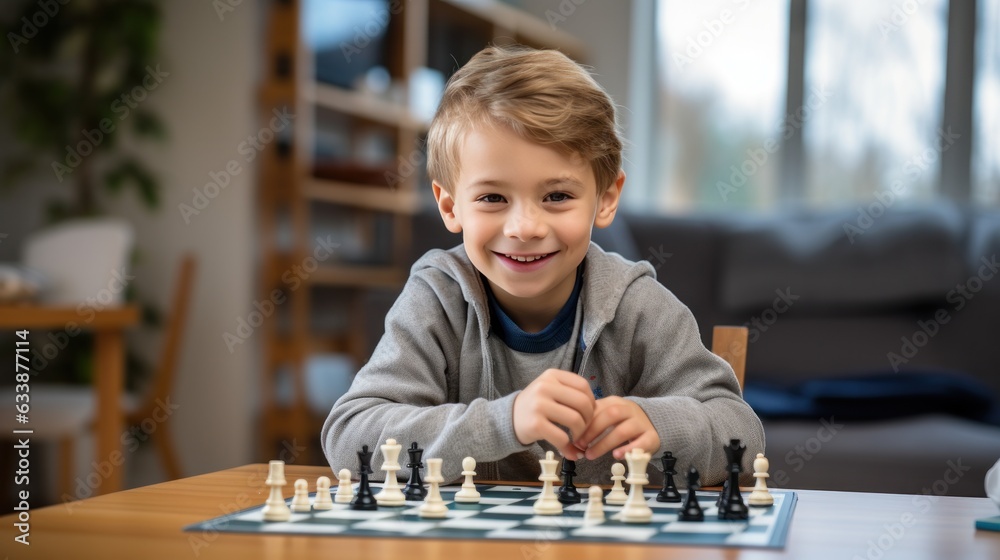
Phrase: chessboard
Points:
(505, 512)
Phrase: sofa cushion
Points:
(900, 258)
(877, 396)
(932, 453)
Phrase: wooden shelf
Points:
(359, 276)
(362, 106)
(286, 349)
(371, 197)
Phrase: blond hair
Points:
(542, 95)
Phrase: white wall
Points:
(209, 102)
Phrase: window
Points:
(721, 103)
(821, 103)
(882, 67)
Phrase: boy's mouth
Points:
(527, 258)
(525, 263)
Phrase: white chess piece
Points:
(300, 503)
(391, 494)
(275, 508)
(345, 490)
(547, 502)
(433, 505)
(595, 507)
(617, 496)
(468, 494)
(760, 495)
(992, 483)
(636, 508)
(323, 500)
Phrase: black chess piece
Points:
(414, 489)
(692, 509)
(724, 495)
(669, 491)
(365, 500)
(733, 507)
(568, 493)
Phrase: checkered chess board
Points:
(505, 512)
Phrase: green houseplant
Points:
(75, 78)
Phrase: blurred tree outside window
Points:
(881, 128)
(720, 103)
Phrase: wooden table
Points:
(147, 523)
(109, 326)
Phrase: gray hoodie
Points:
(431, 377)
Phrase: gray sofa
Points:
(825, 305)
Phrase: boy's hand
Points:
(631, 428)
(555, 399)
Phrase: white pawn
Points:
(345, 491)
(275, 508)
(468, 494)
(391, 494)
(548, 503)
(760, 496)
(636, 508)
(617, 496)
(300, 502)
(433, 505)
(323, 500)
(595, 507)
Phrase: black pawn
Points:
(733, 507)
(568, 493)
(365, 500)
(669, 491)
(414, 489)
(692, 509)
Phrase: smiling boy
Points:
(528, 337)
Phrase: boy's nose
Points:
(525, 223)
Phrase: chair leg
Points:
(165, 445)
(67, 457)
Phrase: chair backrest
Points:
(730, 344)
(163, 378)
(81, 259)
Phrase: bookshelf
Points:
(361, 78)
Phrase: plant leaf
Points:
(148, 125)
(131, 171)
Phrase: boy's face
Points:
(525, 212)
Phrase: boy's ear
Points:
(446, 205)
(607, 205)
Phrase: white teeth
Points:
(527, 259)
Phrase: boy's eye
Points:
(559, 197)
(490, 198)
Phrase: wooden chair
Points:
(730, 344)
(163, 380)
(143, 408)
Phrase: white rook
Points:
(275, 508)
